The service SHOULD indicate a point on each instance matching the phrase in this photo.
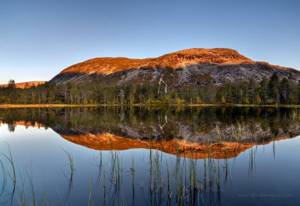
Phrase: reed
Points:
(116, 176)
(252, 160)
(132, 173)
(71, 164)
(4, 178)
(169, 193)
(70, 177)
(100, 166)
(12, 175)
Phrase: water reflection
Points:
(138, 156)
(192, 132)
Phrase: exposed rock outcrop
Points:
(191, 66)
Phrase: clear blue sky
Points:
(38, 38)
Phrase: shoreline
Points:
(8, 106)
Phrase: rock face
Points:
(190, 66)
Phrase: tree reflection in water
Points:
(201, 144)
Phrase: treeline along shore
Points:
(271, 91)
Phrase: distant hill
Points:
(26, 85)
(186, 67)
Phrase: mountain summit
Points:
(179, 59)
(190, 66)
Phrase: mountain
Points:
(186, 77)
(26, 85)
(186, 67)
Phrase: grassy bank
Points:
(45, 105)
(3, 106)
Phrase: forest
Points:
(272, 91)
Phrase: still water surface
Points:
(138, 156)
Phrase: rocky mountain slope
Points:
(191, 66)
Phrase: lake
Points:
(150, 156)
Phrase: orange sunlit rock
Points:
(174, 60)
(182, 148)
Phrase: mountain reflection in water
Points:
(149, 156)
(186, 132)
